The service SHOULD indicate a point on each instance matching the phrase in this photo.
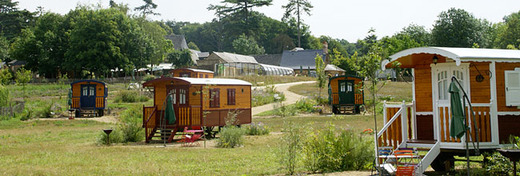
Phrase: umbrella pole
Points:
(467, 132)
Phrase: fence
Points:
(18, 107)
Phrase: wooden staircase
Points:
(426, 152)
(160, 135)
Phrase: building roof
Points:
(460, 54)
(297, 59)
(196, 70)
(179, 42)
(194, 56)
(17, 62)
(331, 67)
(270, 59)
(87, 80)
(235, 58)
(200, 81)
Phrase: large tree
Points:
(297, 8)
(458, 28)
(13, 20)
(508, 32)
(146, 9)
(247, 46)
(239, 14)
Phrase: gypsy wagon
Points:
(191, 73)
(198, 103)
(491, 79)
(88, 97)
(346, 94)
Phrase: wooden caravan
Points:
(198, 103)
(491, 79)
(346, 94)
(88, 97)
(191, 73)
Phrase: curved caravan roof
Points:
(194, 70)
(200, 81)
(87, 80)
(457, 54)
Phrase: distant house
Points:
(301, 61)
(332, 70)
(179, 42)
(14, 65)
(269, 59)
(216, 58)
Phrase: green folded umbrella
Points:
(457, 128)
(169, 113)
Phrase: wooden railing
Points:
(398, 126)
(359, 98)
(75, 102)
(189, 116)
(335, 98)
(100, 102)
(149, 121)
(482, 122)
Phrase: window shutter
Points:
(512, 79)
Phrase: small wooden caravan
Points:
(191, 73)
(346, 94)
(88, 97)
(197, 102)
(490, 77)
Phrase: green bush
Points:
(282, 110)
(290, 149)
(4, 96)
(266, 96)
(130, 124)
(115, 137)
(329, 151)
(231, 137)
(499, 165)
(45, 112)
(148, 77)
(257, 129)
(129, 96)
(305, 105)
(5, 76)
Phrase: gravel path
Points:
(290, 97)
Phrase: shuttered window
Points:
(512, 79)
(231, 96)
(214, 101)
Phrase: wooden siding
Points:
(423, 88)
(501, 90)
(358, 96)
(100, 94)
(480, 91)
(424, 127)
(242, 94)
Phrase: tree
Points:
(320, 73)
(4, 49)
(180, 58)
(418, 33)
(297, 7)
(26, 48)
(247, 46)
(458, 28)
(23, 77)
(147, 8)
(12, 20)
(50, 34)
(193, 46)
(508, 32)
(238, 15)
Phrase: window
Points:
(201, 75)
(214, 101)
(92, 90)
(185, 75)
(342, 87)
(512, 79)
(231, 96)
(206, 76)
(173, 92)
(349, 87)
(182, 96)
(85, 91)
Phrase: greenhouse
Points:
(240, 69)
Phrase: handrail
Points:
(150, 116)
(387, 125)
(464, 99)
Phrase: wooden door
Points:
(88, 96)
(346, 91)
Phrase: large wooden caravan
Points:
(197, 102)
(88, 97)
(490, 77)
(191, 73)
(346, 94)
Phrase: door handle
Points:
(507, 89)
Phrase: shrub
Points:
(231, 137)
(282, 110)
(4, 96)
(129, 96)
(115, 137)
(266, 96)
(305, 105)
(5, 76)
(45, 112)
(290, 149)
(257, 129)
(328, 151)
(499, 165)
(130, 125)
(148, 77)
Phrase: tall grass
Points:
(129, 96)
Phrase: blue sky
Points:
(342, 19)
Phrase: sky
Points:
(340, 19)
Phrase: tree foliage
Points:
(508, 32)
(459, 28)
(147, 8)
(180, 58)
(297, 8)
(247, 46)
(13, 20)
(320, 72)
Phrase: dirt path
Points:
(290, 97)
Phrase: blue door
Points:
(88, 96)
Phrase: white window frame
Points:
(512, 91)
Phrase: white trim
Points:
(413, 84)
(481, 104)
(508, 113)
(423, 113)
(494, 104)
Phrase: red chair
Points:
(405, 162)
(190, 137)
